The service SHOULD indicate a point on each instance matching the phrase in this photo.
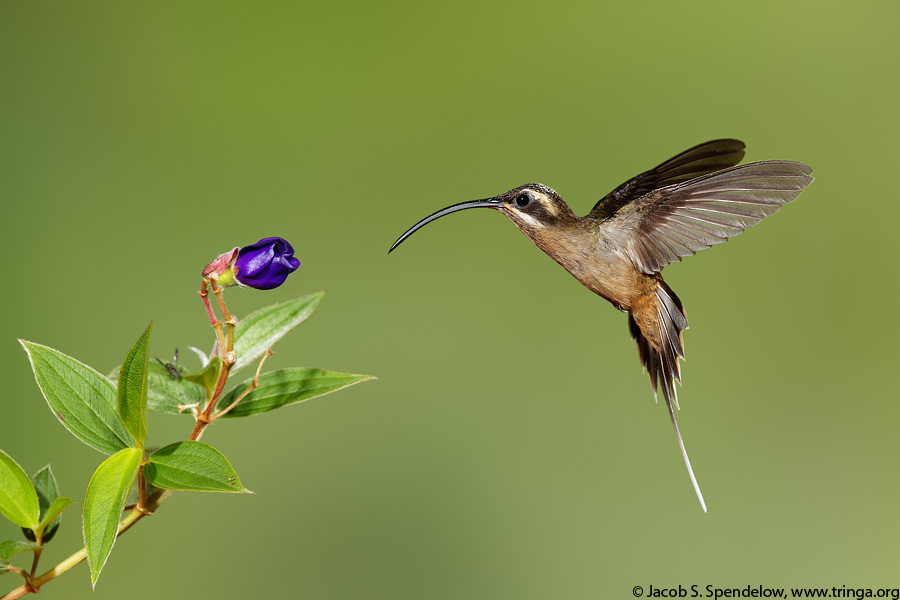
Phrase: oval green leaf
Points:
(166, 393)
(10, 548)
(55, 510)
(48, 492)
(193, 467)
(132, 388)
(82, 399)
(286, 387)
(103, 504)
(259, 330)
(18, 500)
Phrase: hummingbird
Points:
(694, 200)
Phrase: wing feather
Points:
(701, 159)
(669, 223)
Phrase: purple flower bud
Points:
(266, 264)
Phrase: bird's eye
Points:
(523, 199)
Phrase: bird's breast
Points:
(602, 269)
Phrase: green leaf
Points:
(18, 500)
(10, 548)
(103, 504)
(55, 510)
(208, 378)
(260, 330)
(193, 467)
(284, 387)
(48, 492)
(82, 399)
(166, 393)
(132, 388)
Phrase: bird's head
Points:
(533, 207)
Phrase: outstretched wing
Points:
(680, 220)
(693, 162)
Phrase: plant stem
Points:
(39, 540)
(217, 325)
(142, 493)
(18, 571)
(226, 351)
(206, 303)
(253, 385)
(229, 321)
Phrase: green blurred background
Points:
(511, 447)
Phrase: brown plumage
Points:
(692, 201)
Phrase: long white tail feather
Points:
(687, 461)
(661, 361)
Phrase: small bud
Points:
(266, 264)
(220, 270)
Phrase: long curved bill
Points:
(487, 203)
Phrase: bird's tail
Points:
(656, 324)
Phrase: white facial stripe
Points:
(548, 205)
(527, 218)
